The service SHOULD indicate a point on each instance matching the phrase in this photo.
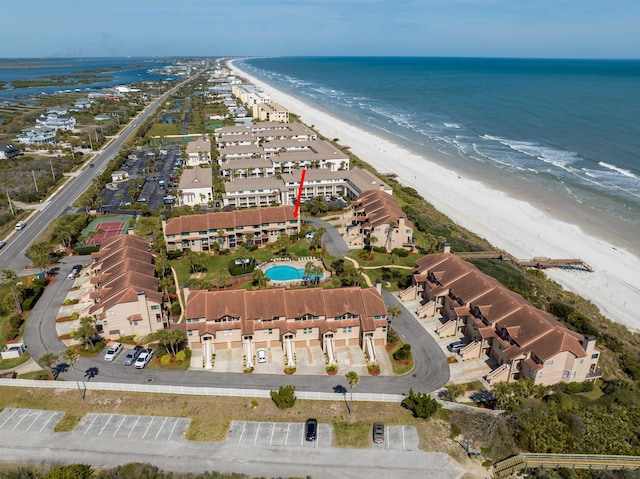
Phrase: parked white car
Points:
(113, 351)
(262, 355)
(144, 358)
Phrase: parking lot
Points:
(29, 420)
(124, 426)
(291, 434)
(118, 199)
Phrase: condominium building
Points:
(519, 340)
(381, 221)
(228, 229)
(218, 321)
(126, 295)
(271, 111)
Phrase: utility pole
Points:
(90, 145)
(13, 212)
(53, 173)
(35, 183)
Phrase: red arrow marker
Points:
(297, 208)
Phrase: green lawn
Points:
(160, 129)
(381, 259)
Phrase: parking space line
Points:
(273, 428)
(286, 438)
(21, 419)
(257, 431)
(134, 427)
(53, 414)
(33, 422)
(105, 424)
(173, 429)
(95, 416)
(302, 437)
(404, 447)
(14, 411)
(119, 425)
(387, 435)
(147, 430)
(242, 432)
(161, 427)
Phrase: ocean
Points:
(572, 126)
(117, 71)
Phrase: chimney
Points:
(446, 248)
(379, 287)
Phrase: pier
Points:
(511, 466)
(540, 262)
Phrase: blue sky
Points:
(495, 28)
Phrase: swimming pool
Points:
(285, 273)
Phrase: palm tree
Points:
(47, 360)
(260, 279)
(9, 277)
(394, 311)
(353, 379)
(71, 356)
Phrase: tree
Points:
(454, 391)
(353, 379)
(9, 277)
(285, 397)
(420, 404)
(87, 331)
(47, 360)
(40, 255)
(71, 471)
(403, 353)
(394, 311)
(260, 279)
(198, 261)
(316, 241)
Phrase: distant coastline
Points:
(512, 218)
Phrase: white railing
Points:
(193, 390)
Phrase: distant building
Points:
(198, 152)
(58, 121)
(38, 135)
(270, 112)
(8, 151)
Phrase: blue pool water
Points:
(285, 273)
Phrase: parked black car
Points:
(311, 430)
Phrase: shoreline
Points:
(510, 219)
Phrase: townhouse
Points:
(125, 289)
(196, 186)
(381, 221)
(218, 321)
(227, 229)
(521, 341)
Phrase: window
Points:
(565, 374)
(268, 332)
(549, 362)
(347, 329)
(307, 330)
(594, 356)
(227, 332)
(155, 307)
(190, 333)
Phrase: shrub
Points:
(403, 353)
(15, 321)
(403, 253)
(223, 252)
(175, 309)
(181, 356)
(82, 250)
(420, 404)
(285, 397)
(165, 359)
(75, 315)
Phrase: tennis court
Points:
(99, 229)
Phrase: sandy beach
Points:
(507, 220)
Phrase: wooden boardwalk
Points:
(512, 465)
(539, 262)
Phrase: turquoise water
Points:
(285, 273)
(569, 125)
